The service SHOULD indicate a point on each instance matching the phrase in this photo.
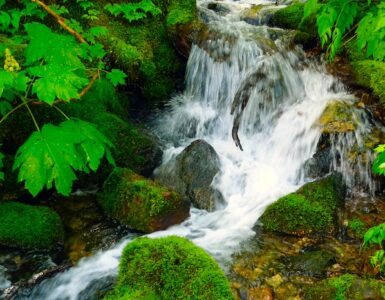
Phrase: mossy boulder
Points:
(29, 227)
(169, 268)
(345, 287)
(310, 210)
(140, 203)
(291, 17)
(338, 117)
(371, 75)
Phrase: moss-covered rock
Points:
(291, 17)
(337, 117)
(371, 75)
(30, 227)
(309, 210)
(140, 203)
(169, 268)
(345, 287)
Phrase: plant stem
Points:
(60, 111)
(13, 110)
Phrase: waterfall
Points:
(254, 76)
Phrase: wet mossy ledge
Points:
(345, 287)
(169, 268)
(29, 227)
(141, 204)
(310, 210)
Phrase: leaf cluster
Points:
(376, 236)
(344, 20)
(46, 66)
(133, 11)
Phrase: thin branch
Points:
(89, 85)
(60, 111)
(61, 21)
(13, 110)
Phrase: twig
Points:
(61, 21)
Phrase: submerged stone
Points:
(140, 203)
(191, 174)
(169, 268)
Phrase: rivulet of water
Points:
(245, 72)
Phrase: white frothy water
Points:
(277, 130)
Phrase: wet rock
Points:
(260, 293)
(319, 165)
(275, 281)
(314, 264)
(254, 15)
(140, 203)
(219, 8)
(191, 174)
(338, 117)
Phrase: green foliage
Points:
(51, 156)
(357, 227)
(379, 163)
(29, 227)
(169, 268)
(133, 11)
(139, 203)
(376, 236)
(336, 20)
(47, 67)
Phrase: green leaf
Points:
(56, 82)
(117, 77)
(5, 21)
(133, 11)
(6, 79)
(59, 49)
(51, 156)
(311, 7)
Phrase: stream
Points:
(286, 94)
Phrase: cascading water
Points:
(247, 74)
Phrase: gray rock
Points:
(191, 174)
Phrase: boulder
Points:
(140, 203)
(310, 210)
(29, 227)
(191, 174)
(169, 268)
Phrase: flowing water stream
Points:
(278, 132)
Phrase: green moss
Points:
(311, 209)
(136, 201)
(371, 74)
(181, 12)
(169, 268)
(29, 227)
(345, 287)
(291, 16)
(295, 214)
(358, 227)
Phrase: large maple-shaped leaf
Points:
(61, 49)
(116, 77)
(56, 82)
(51, 156)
